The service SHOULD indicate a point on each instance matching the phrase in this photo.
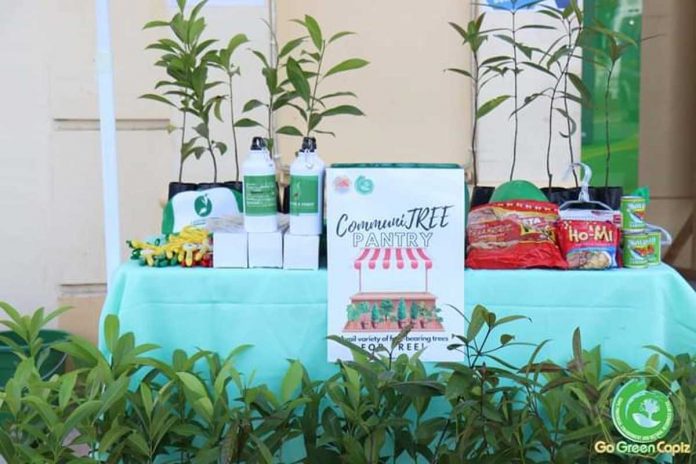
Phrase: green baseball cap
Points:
(518, 190)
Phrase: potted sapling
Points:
(481, 74)
(556, 62)
(278, 96)
(308, 75)
(512, 62)
(185, 58)
(607, 58)
(224, 61)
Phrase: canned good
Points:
(655, 239)
(636, 250)
(633, 214)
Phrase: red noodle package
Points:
(514, 234)
(588, 244)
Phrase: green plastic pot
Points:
(53, 364)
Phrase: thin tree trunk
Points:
(474, 156)
(234, 132)
(181, 155)
(606, 129)
(571, 152)
(514, 61)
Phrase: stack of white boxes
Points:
(266, 248)
(233, 247)
(301, 252)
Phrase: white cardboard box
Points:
(230, 249)
(300, 251)
(266, 249)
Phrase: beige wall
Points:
(668, 112)
(50, 165)
(415, 111)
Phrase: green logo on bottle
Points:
(203, 206)
(641, 415)
(364, 185)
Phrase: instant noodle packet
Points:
(514, 234)
(588, 244)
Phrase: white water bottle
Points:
(307, 190)
(260, 189)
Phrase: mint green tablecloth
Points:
(283, 313)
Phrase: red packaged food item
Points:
(588, 244)
(516, 234)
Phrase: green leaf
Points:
(508, 319)
(291, 381)
(111, 331)
(460, 30)
(420, 388)
(222, 147)
(192, 383)
(536, 27)
(54, 314)
(463, 72)
(490, 105)
(152, 24)
(252, 104)
(138, 442)
(338, 94)
(113, 436)
(290, 46)
(570, 120)
(261, 58)
(83, 412)
(476, 323)
(347, 65)
(343, 109)
(44, 409)
(314, 31)
(289, 130)
(263, 449)
(235, 42)
(298, 79)
(577, 82)
(246, 122)
(338, 35)
(157, 98)
(577, 345)
(67, 386)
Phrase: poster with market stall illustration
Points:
(395, 257)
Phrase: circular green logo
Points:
(364, 185)
(641, 415)
(203, 206)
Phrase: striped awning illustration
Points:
(390, 258)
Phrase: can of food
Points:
(655, 248)
(636, 250)
(633, 214)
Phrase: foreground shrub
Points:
(131, 407)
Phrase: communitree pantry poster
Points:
(395, 257)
